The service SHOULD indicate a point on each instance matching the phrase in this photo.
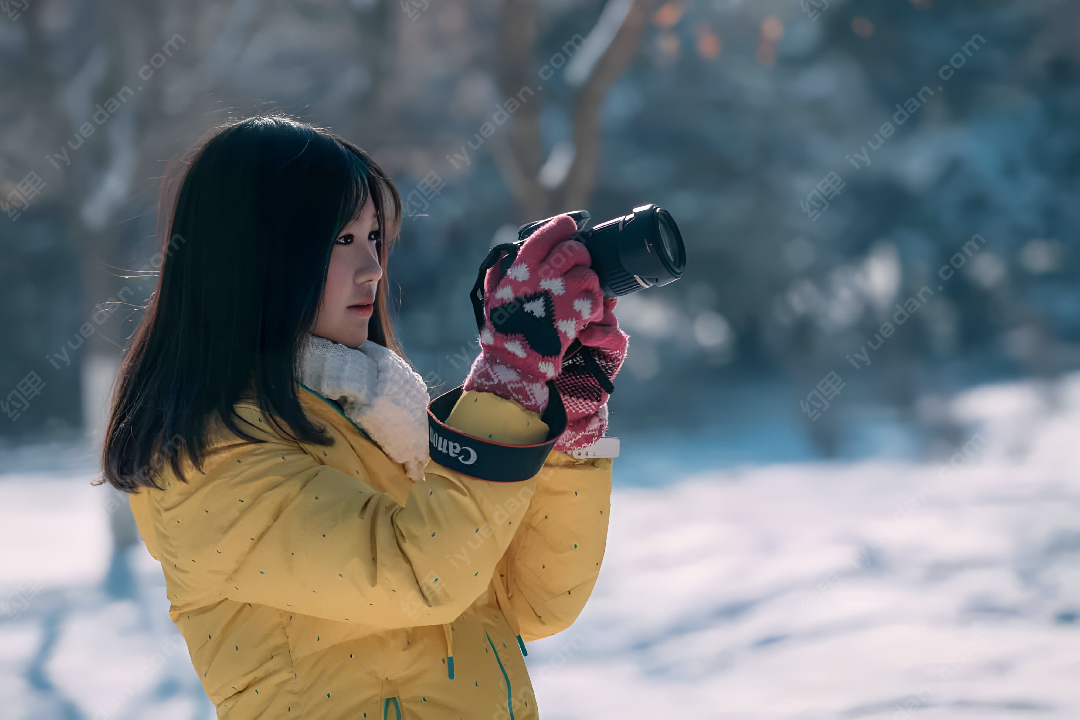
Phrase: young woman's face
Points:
(351, 281)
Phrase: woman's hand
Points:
(536, 304)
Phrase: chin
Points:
(356, 338)
(354, 341)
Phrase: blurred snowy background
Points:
(869, 589)
(879, 201)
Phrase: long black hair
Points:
(246, 220)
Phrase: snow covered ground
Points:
(811, 590)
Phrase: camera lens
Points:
(640, 250)
(672, 252)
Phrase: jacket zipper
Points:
(509, 692)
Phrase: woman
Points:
(318, 562)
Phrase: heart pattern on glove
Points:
(529, 315)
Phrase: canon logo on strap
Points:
(464, 454)
(487, 459)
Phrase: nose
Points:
(370, 269)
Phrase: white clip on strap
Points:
(605, 447)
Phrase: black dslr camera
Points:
(641, 250)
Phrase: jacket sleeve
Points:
(554, 559)
(274, 526)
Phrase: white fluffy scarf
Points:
(378, 391)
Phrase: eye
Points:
(375, 236)
(345, 239)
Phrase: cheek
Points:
(336, 281)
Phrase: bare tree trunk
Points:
(516, 69)
(520, 156)
(578, 186)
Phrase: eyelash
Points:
(376, 233)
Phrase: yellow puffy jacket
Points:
(320, 582)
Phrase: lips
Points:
(363, 310)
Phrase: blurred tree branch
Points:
(520, 156)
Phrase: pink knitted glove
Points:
(535, 305)
(582, 380)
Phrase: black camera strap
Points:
(477, 296)
(486, 459)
